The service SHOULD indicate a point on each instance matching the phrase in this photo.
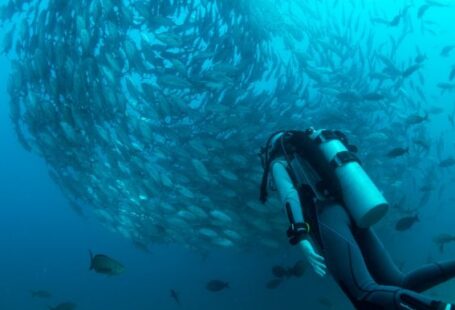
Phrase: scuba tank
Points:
(362, 199)
(323, 159)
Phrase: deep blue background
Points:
(44, 244)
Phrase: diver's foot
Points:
(443, 306)
(447, 306)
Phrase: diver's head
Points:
(275, 144)
(275, 140)
(270, 146)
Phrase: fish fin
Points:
(427, 115)
(289, 272)
(91, 259)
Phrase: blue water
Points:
(44, 245)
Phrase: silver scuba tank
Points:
(361, 197)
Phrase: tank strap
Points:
(305, 174)
(327, 135)
(308, 204)
(343, 158)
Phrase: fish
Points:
(101, 263)
(448, 162)
(436, 3)
(64, 306)
(274, 283)
(422, 9)
(422, 143)
(446, 86)
(406, 222)
(420, 58)
(349, 96)
(451, 118)
(173, 82)
(446, 50)
(7, 43)
(395, 21)
(170, 39)
(410, 70)
(216, 285)
(40, 294)
(299, 268)
(175, 296)
(221, 216)
(119, 107)
(452, 73)
(442, 239)
(373, 96)
(279, 271)
(415, 119)
(397, 152)
(435, 110)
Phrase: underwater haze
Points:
(130, 132)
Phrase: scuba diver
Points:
(331, 204)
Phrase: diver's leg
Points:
(347, 266)
(384, 271)
(378, 260)
(429, 275)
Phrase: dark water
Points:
(44, 245)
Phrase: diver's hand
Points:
(315, 260)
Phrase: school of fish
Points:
(151, 113)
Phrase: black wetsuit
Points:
(364, 270)
(354, 256)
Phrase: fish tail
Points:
(91, 259)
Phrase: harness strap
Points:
(343, 158)
(327, 135)
(307, 199)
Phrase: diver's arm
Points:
(316, 260)
(287, 192)
(290, 199)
